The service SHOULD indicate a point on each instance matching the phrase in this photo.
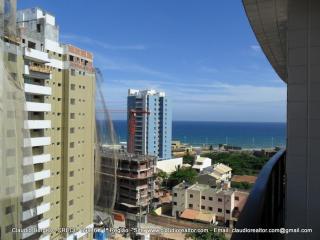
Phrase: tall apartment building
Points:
(135, 183)
(152, 115)
(224, 205)
(59, 86)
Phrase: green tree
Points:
(241, 163)
(241, 185)
(188, 159)
(210, 235)
(183, 174)
(163, 176)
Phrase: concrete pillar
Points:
(303, 146)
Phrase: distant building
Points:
(153, 123)
(218, 175)
(226, 147)
(170, 165)
(201, 163)
(223, 205)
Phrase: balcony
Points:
(37, 141)
(265, 206)
(41, 225)
(37, 107)
(37, 124)
(43, 158)
(35, 211)
(36, 55)
(39, 71)
(43, 191)
(36, 89)
(33, 177)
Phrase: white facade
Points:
(35, 159)
(203, 198)
(169, 165)
(201, 163)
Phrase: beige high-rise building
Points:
(59, 86)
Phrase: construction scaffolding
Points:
(105, 182)
(14, 138)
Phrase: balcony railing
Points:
(265, 206)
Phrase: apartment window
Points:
(71, 159)
(191, 195)
(219, 210)
(10, 171)
(10, 133)
(71, 174)
(31, 45)
(38, 27)
(203, 197)
(236, 208)
(71, 188)
(72, 115)
(73, 72)
(71, 202)
(210, 198)
(175, 203)
(71, 217)
(13, 76)
(219, 199)
(175, 194)
(236, 198)
(72, 130)
(190, 205)
(9, 228)
(72, 101)
(12, 57)
(72, 86)
(10, 190)
(210, 208)
(10, 152)
(72, 145)
(228, 211)
(9, 209)
(203, 207)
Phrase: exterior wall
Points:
(224, 204)
(303, 117)
(169, 165)
(179, 199)
(69, 93)
(207, 179)
(165, 128)
(201, 163)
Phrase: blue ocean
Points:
(242, 134)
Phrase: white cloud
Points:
(127, 66)
(208, 69)
(90, 41)
(255, 48)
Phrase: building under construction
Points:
(135, 183)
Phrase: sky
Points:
(203, 54)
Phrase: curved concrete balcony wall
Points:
(43, 158)
(37, 124)
(36, 89)
(37, 107)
